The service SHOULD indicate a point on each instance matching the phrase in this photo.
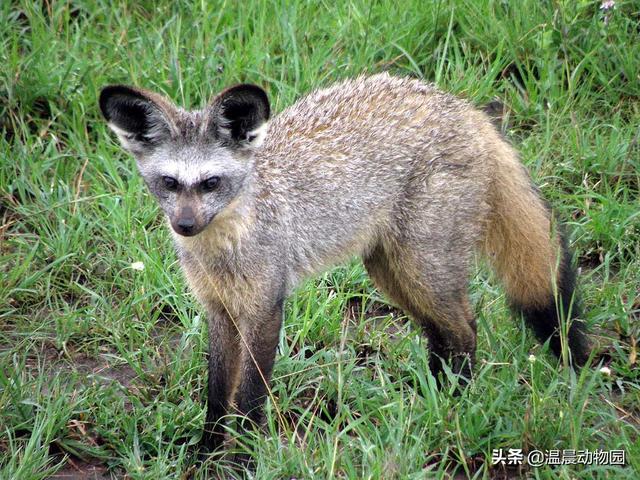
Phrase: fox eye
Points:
(210, 184)
(170, 183)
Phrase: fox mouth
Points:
(186, 233)
(186, 228)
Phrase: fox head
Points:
(196, 162)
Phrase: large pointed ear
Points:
(239, 114)
(141, 119)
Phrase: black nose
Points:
(186, 226)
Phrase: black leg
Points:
(452, 348)
(258, 355)
(224, 354)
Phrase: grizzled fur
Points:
(411, 179)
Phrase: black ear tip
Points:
(105, 95)
(253, 93)
(111, 92)
(260, 93)
(248, 88)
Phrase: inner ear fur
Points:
(238, 113)
(141, 119)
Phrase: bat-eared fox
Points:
(412, 180)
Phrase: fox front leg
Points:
(260, 341)
(224, 353)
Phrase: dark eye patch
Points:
(170, 183)
(210, 184)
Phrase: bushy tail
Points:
(531, 257)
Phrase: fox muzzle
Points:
(186, 223)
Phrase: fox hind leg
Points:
(436, 300)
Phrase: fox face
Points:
(195, 163)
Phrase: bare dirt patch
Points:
(53, 362)
(80, 470)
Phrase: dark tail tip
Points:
(545, 319)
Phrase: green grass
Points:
(103, 366)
